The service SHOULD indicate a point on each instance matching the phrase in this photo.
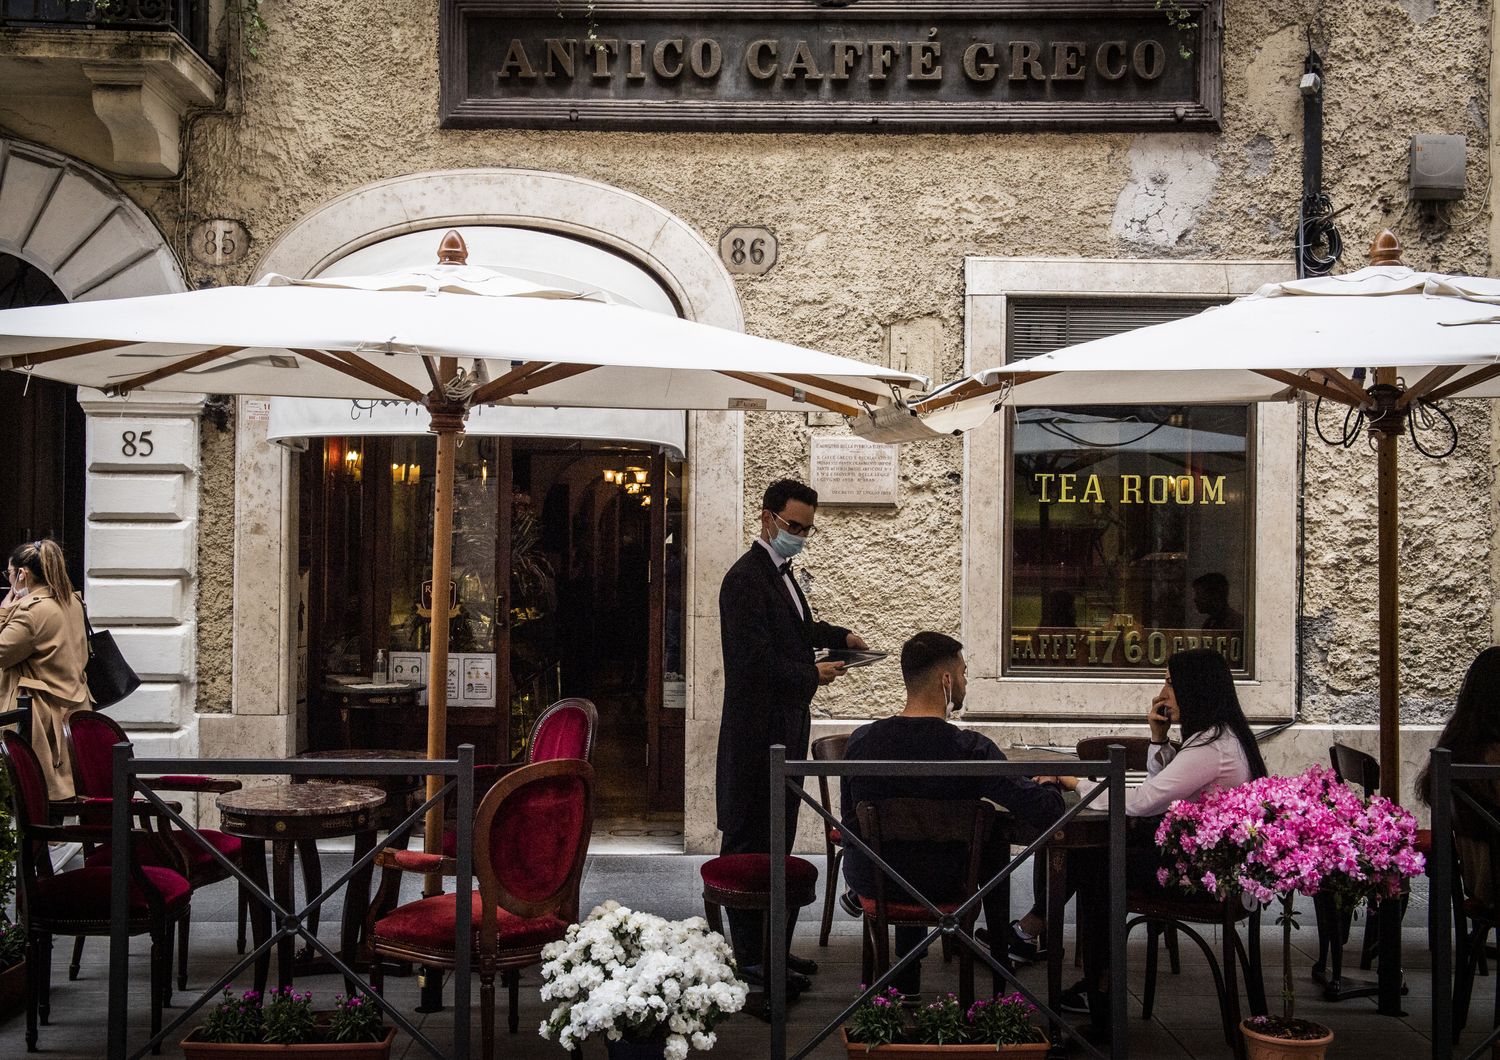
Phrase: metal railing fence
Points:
(784, 773)
(127, 785)
(187, 18)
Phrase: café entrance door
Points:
(567, 582)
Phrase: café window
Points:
(1130, 528)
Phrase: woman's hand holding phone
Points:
(1159, 720)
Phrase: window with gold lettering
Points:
(1130, 529)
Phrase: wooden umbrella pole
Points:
(1389, 609)
(447, 424)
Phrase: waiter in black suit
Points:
(770, 676)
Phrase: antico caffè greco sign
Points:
(873, 65)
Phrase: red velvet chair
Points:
(564, 730)
(77, 902)
(531, 835)
(92, 737)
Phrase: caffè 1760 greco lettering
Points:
(875, 65)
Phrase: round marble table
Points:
(286, 815)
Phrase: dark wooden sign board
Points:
(871, 66)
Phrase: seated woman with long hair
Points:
(1217, 751)
(1473, 735)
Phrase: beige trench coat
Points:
(44, 650)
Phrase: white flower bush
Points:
(633, 975)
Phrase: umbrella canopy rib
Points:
(364, 371)
(552, 374)
(432, 372)
(32, 360)
(1458, 386)
(175, 368)
(1306, 385)
(1419, 390)
(1335, 378)
(973, 388)
(788, 390)
(842, 389)
(495, 388)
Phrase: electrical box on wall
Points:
(1437, 166)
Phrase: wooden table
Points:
(399, 788)
(382, 702)
(286, 815)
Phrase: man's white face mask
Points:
(951, 706)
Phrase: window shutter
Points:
(1041, 325)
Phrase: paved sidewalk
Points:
(1185, 1024)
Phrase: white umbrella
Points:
(1386, 341)
(449, 336)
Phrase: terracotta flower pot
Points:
(902, 1051)
(1260, 1046)
(13, 989)
(194, 1049)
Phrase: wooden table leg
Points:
(260, 916)
(286, 897)
(1057, 871)
(356, 903)
(312, 886)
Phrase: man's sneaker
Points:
(1028, 949)
(1074, 999)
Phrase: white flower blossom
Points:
(622, 973)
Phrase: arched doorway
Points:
(681, 263)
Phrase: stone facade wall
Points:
(874, 231)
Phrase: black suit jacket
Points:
(769, 682)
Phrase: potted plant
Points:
(883, 1027)
(650, 987)
(1275, 838)
(283, 1023)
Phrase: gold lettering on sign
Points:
(1054, 488)
(517, 62)
(560, 53)
(1149, 60)
(757, 54)
(924, 65)
(1026, 60)
(845, 52)
(882, 57)
(1109, 60)
(604, 48)
(801, 65)
(974, 69)
(661, 64)
(1067, 60)
(706, 58)
(636, 70)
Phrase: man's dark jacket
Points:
(769, 682)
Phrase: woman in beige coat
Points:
(43, 650)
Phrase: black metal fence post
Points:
(464, 910)
(1440, 904)
(1119, 1044)
(773, 962)
(119, 905)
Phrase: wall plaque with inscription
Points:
(854, 471)
(876, 65)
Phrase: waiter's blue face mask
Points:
(787, 545)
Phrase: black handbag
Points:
(109, 676)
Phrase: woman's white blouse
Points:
(1181, 773)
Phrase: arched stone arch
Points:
(556, 202)
(73, 223)
(690, 271)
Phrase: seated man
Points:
(932, 665)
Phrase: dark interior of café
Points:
(567, 581)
